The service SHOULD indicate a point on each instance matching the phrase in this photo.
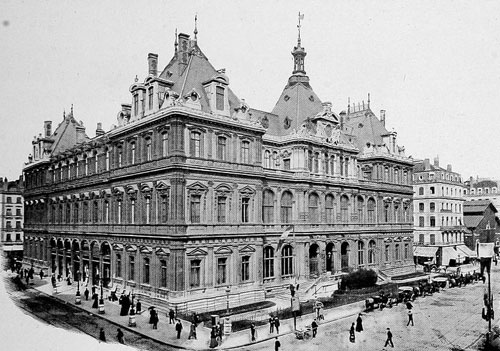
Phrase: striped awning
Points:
(424, 251)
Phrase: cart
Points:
(303, 334)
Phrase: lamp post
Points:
(101, 300)
(78, 298)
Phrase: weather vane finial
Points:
(301, 17)
(195, 26)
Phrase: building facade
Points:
(482, 189)
(481, 218)
(438, 215)
(186, 200)
(11, 220)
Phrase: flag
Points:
(284, 235)
(301, 16)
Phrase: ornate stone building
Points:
(193, 189)
(11, 220)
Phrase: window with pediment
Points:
(164, 144)
(329, 211)
(222, 270)
(195, 144)
(268, 262)
(344, 208)
(195, 273)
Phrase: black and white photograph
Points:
(250, 175)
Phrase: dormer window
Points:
(219, 98)
(150, 98)
(136, 104)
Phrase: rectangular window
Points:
(18, 211)
(131, 275)
(149, 151)
(106, 212)
(245, 152)
(145, 279)
(163, 273)
(433, 239)
(245, 206)
(421, 221)
(150, 98)
(221, 270)
(219, 103)
(18, 237)
(164, 209)
(221, 209)
(286, 164)
(9, 200)
(118, 265)
(164, 144)
(195, 208)
(132, 153)
(221, 148)
(386, 252)
(245, 268)
(148, 210)
(136, 104)
(421, 207)
(433, 221)
(119, 211)
(407, 251)
(132, 211)
(195, 274)
(18, 224)
(421, 239)
(268, 262)
(95, 212)
(195, 144)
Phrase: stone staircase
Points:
(386, 275)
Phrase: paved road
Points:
(449, 320)
(68, 317)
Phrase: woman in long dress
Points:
(352, 335)
(213, 338)
(359, 323)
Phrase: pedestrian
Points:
(277, 344)
(213, 338)
(252, 331)
(41, 273)
(359, 324)
(389, 338)
(119, 336)
(314, 326)
(155, 319)
(271, 324)
(27, 279)
(178, 328)
(151, 315)
(220, 332)
(53, 281)
(352, 334)
(95, 297)
(410, 317)
(102, 336)
(171, 316)
(192, 331)
(138, 306)
(86, 293)
(277, 324)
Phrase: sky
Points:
(432, 65)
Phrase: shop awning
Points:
(449, 253)
(424, 251)
(462, 249)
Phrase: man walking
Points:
(171, 316)
(178, 328)
(389, 338)
(277, 324)
(277, 345)
(410, 317)
(119, 336)
(314, 327)
(271, 324)
(252, 331)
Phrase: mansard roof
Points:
(192, 76)
(68, 133)
(366, 127)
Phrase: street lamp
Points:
(101, 300)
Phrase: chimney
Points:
(427, 164)
(436, 161)
(153, 64)
(47, 126)
(448, 168)
(382, 117)
(183, 48)
(99, 131)
(342, 117)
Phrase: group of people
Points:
(358, 328)
(216, 335)
(119, 336)
(274, 323)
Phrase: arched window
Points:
(286, 207)
(221, 209)
(360, 203)
(397, 252)
(313, 208)
(267, 159)
(286, 261)
(268, 206)
(275, 160)
(329, 208)
(361, 253)
(268, 262)
(344, 208)
(371, 251)
(370, 209)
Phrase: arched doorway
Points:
(95, 269)
(313, 260)
(67, 256)
(329, 257)
(85, 250)
(106, 264)
(60, 255)
(344, 256)
(53, 255)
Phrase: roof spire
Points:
(71, 110)
(368, 100)
(301, 17)
(175, 43)
(195, 26)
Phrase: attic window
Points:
(360, 125)
(311, 98)
(265, 122)
(219, 95)
(287, 123)
(286, 98)
(194, 96)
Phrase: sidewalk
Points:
(166, 333)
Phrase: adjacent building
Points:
(11, 220)
(438, 215)
(195, 197)
(481, 219)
